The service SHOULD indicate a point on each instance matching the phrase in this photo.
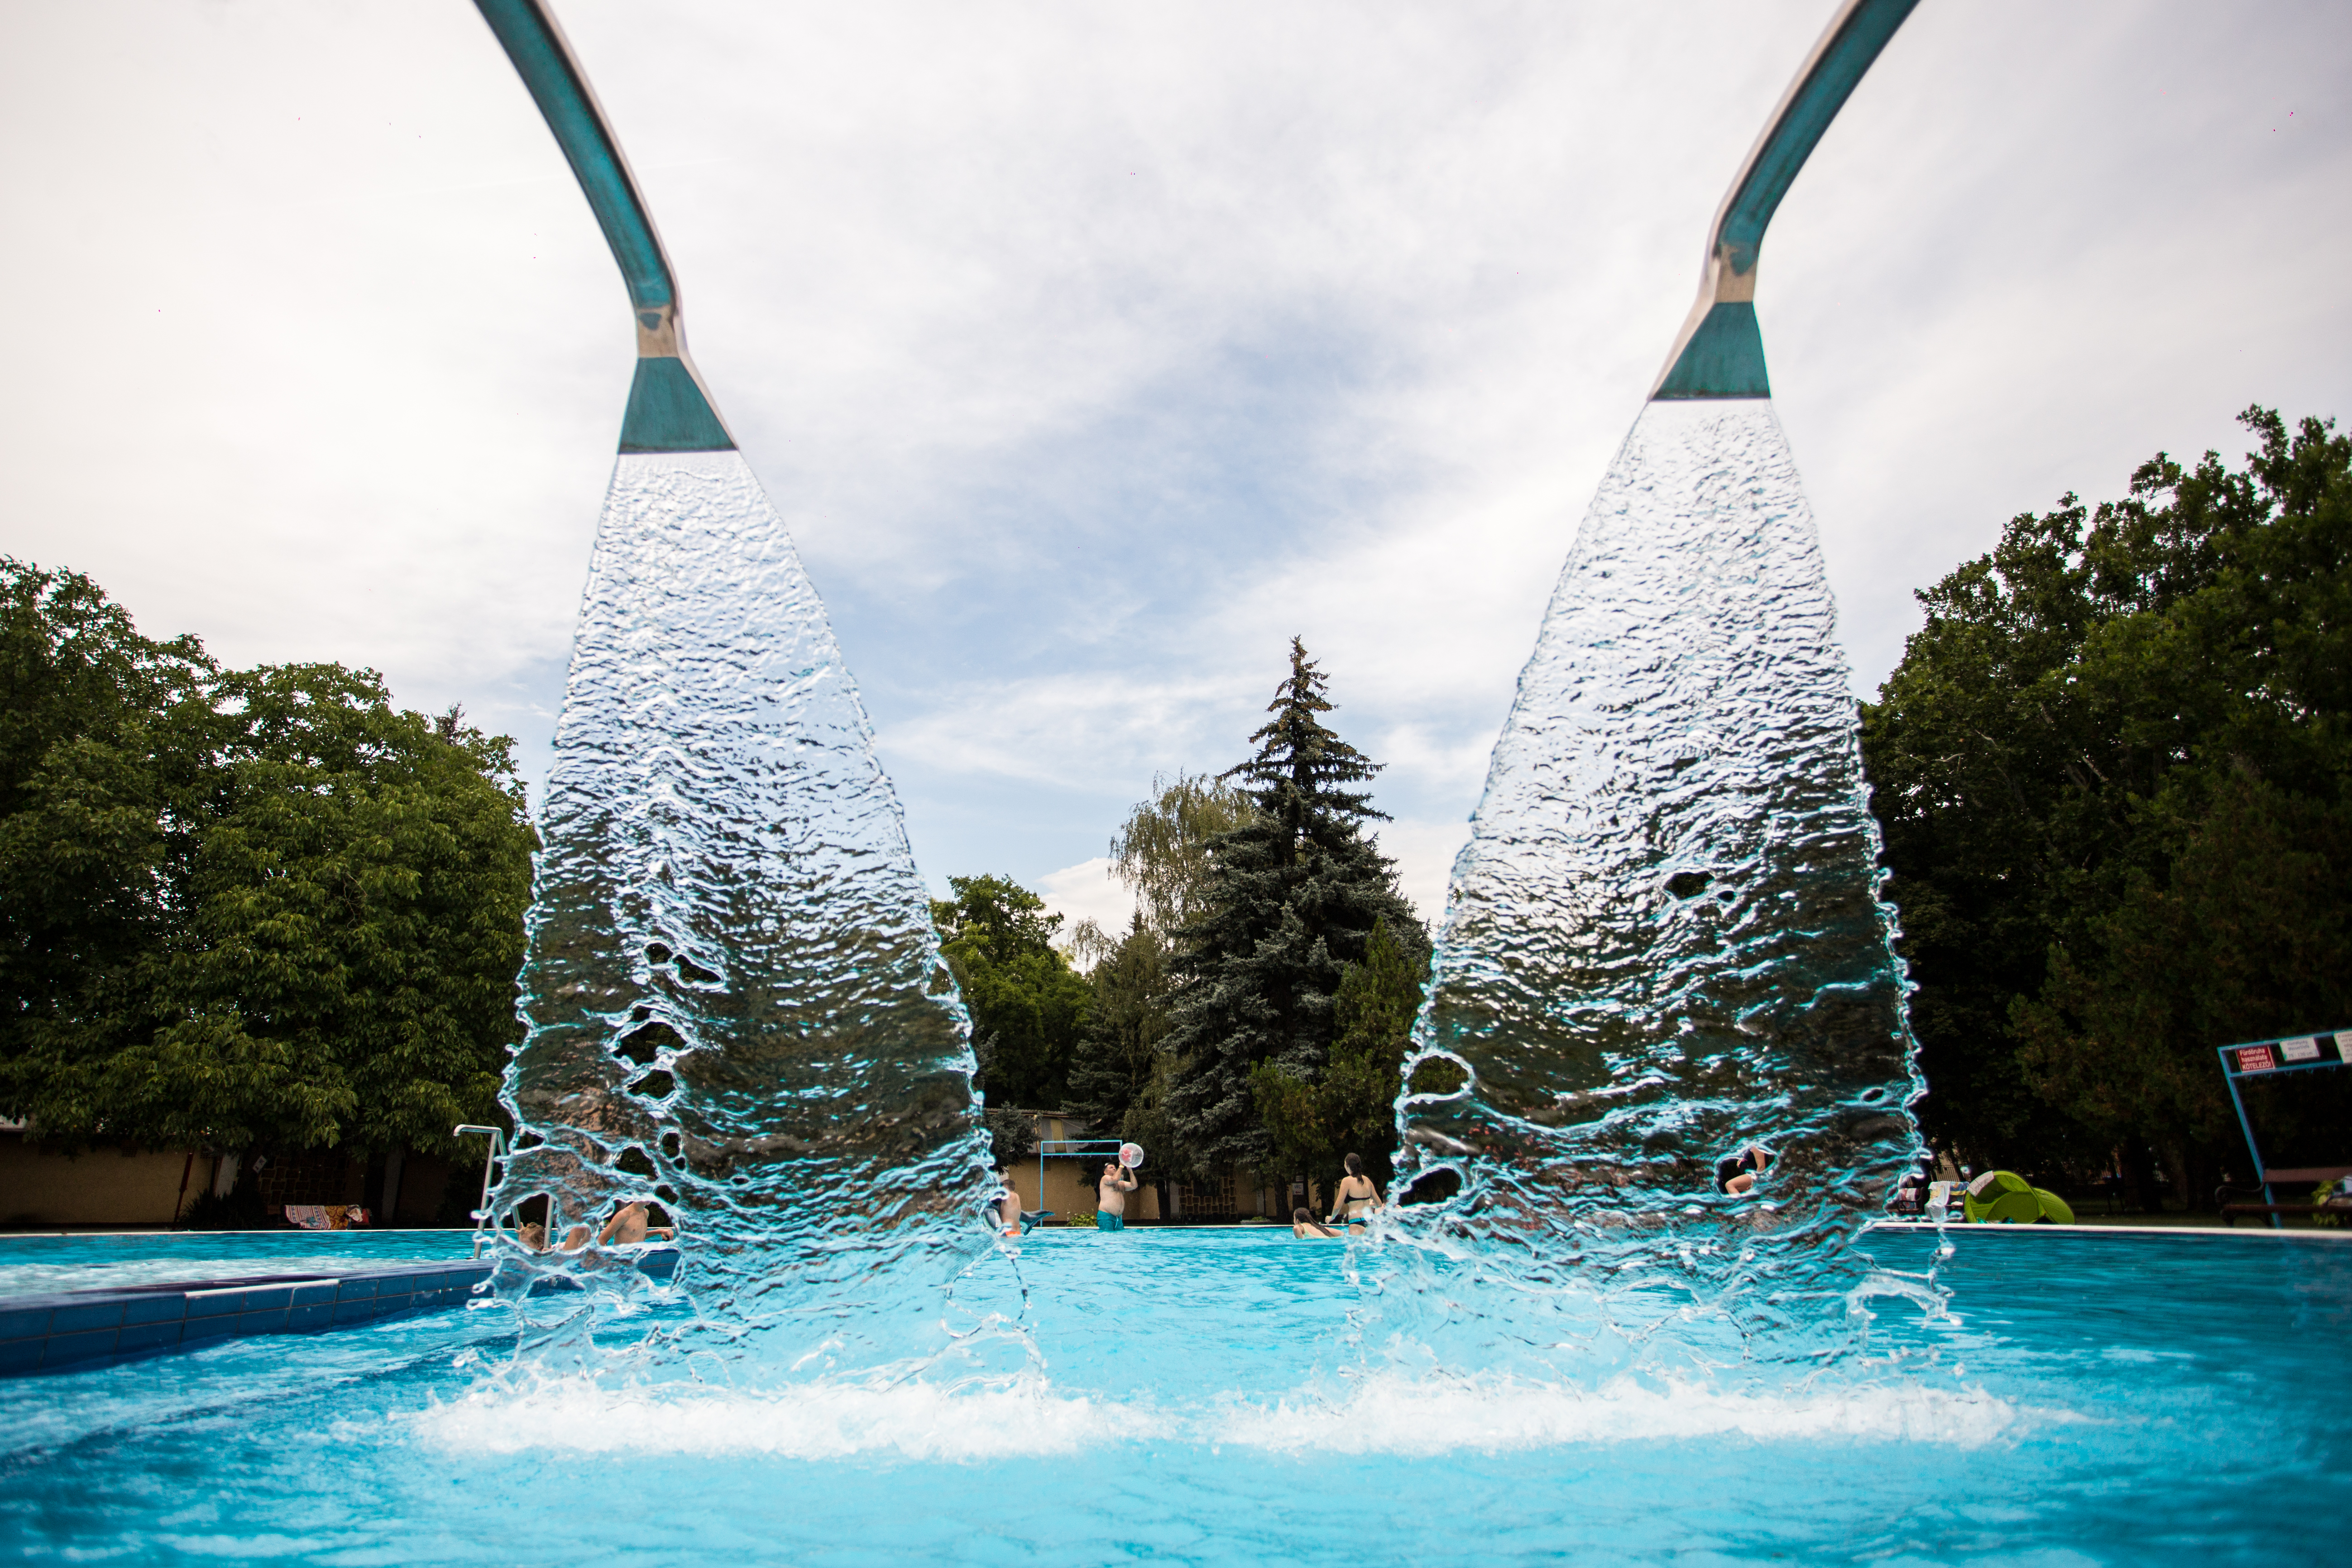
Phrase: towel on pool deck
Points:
(325, 1216)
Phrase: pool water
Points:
(1204, 1396)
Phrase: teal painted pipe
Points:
(669, 408)
(1719, 351)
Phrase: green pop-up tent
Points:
(2004, 1197)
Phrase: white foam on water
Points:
(1400, 1415)
(819, 1421)
(921, 1421)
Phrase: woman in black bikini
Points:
(1357, 1196)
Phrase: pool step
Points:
(82, 1328)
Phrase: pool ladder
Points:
(483, 1216)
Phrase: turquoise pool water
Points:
(1203, 1396)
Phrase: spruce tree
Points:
(1291, 901)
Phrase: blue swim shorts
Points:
(1106, 1220)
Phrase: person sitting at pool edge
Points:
(1303, 1223)
(1111, 1196)
(1738, 1174)
(1357, 1196)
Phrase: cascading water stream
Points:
(1664, 944)
(735, 1004)
(1665, 948)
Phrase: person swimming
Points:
(1357, 1197)
(1305, 1225)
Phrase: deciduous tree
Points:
(1027, 1004)
(1127, 1021)
(1162, 851)
(2113, 774)
(1314, 1122)
(258, 908)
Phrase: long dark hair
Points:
(1355, 1164)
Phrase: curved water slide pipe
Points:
(669, 408)
(1719, 351)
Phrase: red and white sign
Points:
(2302, 1050)
(2256, 1059)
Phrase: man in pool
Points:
(1008, 1204)
(1111, 1196)
(628, 1227)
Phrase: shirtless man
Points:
(1008, 1205)
(1357, 1196)
(1111, 1196)
(627, 1227)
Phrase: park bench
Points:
(2298, 1177)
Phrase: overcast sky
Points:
(1094, 348)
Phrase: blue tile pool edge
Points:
(80, 1331)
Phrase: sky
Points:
(1094, 350)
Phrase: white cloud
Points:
(1424, 853)
(1087, 891)
(1094, 351)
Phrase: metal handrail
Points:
(498, 1137)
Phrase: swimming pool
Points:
(1202, 1396)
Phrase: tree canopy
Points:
(243, 908)
(1162, 850)
(2112, 772)
(1313, 1123)
(1119, 1076)
(1027, 1004)
(1291, 900)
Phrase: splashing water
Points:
(1664, 943)
(734, 999)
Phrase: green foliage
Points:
(1127, 1019)
(2112, 772)
(1162, 850)
(1011, 1134)
(1027, 1004)
(1292, 898)
(106, 773)
(250, 908)
(1313, 1124)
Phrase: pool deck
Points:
(1962, 1227)
(76, 1329)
